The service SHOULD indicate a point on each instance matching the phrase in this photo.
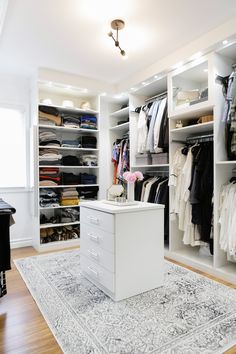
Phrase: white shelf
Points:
(196, 128)
(70, 186)
(120, 113)
(190, 255)
(68, 206)
(60, 207)
(226, 162)
(59, 244)
(195, 111)
(46, 226)
(120, 127)
(70, 109)
(66, 129)
(61, 166)
(66, 148)
(144, 166)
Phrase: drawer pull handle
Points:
(93, 220)
(94, 237)
(93, 254)
(93, 271)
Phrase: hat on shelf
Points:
(68, 103)
(85, 105)
(46, 101)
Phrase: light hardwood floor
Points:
(23, 329)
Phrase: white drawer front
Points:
(99, 274)
(101, 220)
(97, 237)
(97, 254)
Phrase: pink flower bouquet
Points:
(133, 177)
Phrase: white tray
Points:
(120, 204)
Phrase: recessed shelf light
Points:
(178, 65)
(144, 83)
(205, 70)
(156, 77)
(132, 89)
(103, 94)
(225, 42)
(49, 83)
(68, 87)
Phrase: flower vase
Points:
(130, 191)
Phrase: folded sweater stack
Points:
(48, 137)
(49, 176)
(88, 122)
(69, 196)
(49, 157)
(49, 116)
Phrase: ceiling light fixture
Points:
(117, 25)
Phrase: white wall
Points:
(15, 90)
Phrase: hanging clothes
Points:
(155, 189)
(153, 127)
(227, 219)
(191, 186)
(229, 112)
(142, 130)
(120, 158)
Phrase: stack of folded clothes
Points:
(88, 122)
(48, 198)
(70, 178)
(49, 157)
(89, 160)
(69, 215)
(48, 138)
(76, 143)
(88, 141)
(49, 220)
(71, 120)
(69, 196)
(70, 160)
(88, 193)
(49, 176)
(64, 233)
(86, 178)
(49, 115)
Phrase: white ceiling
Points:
(71, 36)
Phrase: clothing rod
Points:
(156, 96)
(199, 137)
(156, 172)
(190, 138)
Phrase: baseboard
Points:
(21, 242)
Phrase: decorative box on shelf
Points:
(143, 159)
(161, 158)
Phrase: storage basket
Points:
(143, 159)
(161, 158)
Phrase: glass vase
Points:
(130, 191)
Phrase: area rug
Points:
(189, 314)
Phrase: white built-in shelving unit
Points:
(117, 124)
(200, 74)
(57, 94)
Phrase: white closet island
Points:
(122, 247)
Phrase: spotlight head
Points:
(110, 34)
(122, 52)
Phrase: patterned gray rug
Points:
(189, 314)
